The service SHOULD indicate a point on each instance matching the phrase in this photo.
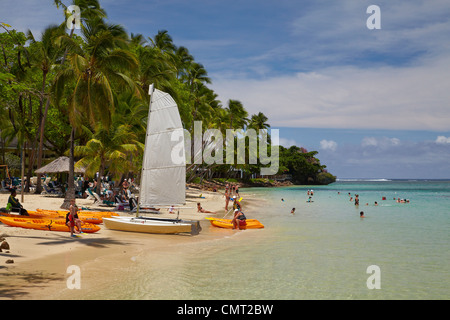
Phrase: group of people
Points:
(231, 192)
(72, 219)
(126, 195)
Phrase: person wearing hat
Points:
(236, 203)
(15, 204)
(239, 219)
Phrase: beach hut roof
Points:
(59, 165)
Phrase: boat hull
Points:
(146, 225)
(227, 224)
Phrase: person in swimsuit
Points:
(200, 209)
(238, 214)
(72, 219)
(227, 196)
(356, 199)
(239, 217)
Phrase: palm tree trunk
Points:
(70, 192)
(41, 146)
(99, 179)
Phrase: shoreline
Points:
(41, 258)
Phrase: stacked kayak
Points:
(226, 223)
(45, 224)
(95, 217)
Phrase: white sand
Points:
(41, 258)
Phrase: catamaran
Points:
(163, 177)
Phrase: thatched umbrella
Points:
(57, 166)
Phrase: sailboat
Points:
(163, 177)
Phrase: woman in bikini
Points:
(200, 209)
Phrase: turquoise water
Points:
(326, 248)
(323, 251)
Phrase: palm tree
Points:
(259, 122)
(238, 114)
(96, 69)
(163, 41)
(109, 148)
(44, 57)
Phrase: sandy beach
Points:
(41, 258)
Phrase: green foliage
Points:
(304, 167)
(96, 81)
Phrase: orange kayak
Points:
(45, 224)
(95, 217)
(226, 223)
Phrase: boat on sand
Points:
(134, 224)
(163, 179)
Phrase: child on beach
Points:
(72, 219)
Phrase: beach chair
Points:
(4, 187)
(95, 195)
(51, 191)
(120, 205)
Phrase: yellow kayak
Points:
(45, 224)
(226, 223)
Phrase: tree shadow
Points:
(64, 239)
(16, 285)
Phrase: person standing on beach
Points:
(227, 196)
(236, 204)
(72, 219)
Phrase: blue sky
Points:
(374, 103)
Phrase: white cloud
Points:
(369, 142)
(328, 145)
(383, 142)
(413, 97)
(442, 140)
(287, 142)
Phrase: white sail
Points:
(163, 179)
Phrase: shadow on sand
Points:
(17, 284)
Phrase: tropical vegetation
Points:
(83, 93)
